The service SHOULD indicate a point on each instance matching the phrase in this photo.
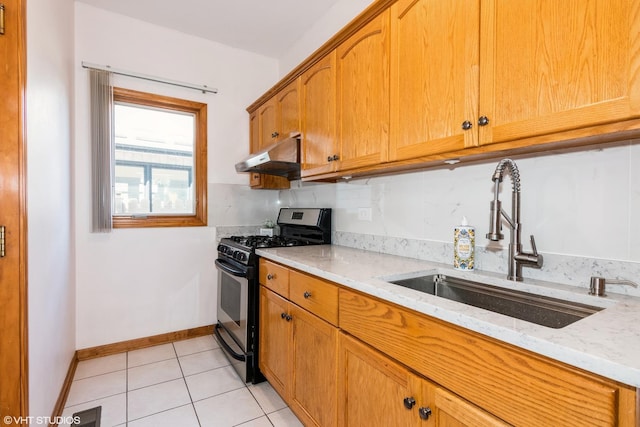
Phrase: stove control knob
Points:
(222, 248)
(241, 256)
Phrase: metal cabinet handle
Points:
(275, 135)
(270, 276)
(307, 294)
(466, 125)
(283, 314)
(483, 121)
(409, 402)
(335, 157)
(288, 318)
(424, 412)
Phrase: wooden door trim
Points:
(13, 88)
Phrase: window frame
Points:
(199, 110)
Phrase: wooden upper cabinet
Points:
(434, 76)
(255, 179)
(318, 105)
(274, 120)
(412, 82)
(280, 115)
(268, 123)
(363, 95)
(550, 66)
(288, 109)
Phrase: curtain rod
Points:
(202, 88)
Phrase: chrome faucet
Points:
(517, 258)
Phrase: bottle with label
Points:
(464, 242)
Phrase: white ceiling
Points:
(266, 27)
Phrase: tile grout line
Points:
(126, 392)
(186, 385)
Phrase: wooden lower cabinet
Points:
(275, 340)
(313, 368)
(340, 357)
(298, 356)
(517, 386)
(375, 391)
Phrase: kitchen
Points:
(579, 204)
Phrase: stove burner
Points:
(267, 241)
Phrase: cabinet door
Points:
(275, 332)
(319, 117)
(452, 411)
(314, 368)
(363, 95)
(268, 124)
(288, 101)
(259, 137)
(550, 66)
(254, 144)
(434, 76)
(373, 388)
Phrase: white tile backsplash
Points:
(580, 205)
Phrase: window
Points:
(160, 170)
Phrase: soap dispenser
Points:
(464, 242)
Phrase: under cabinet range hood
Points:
(281, 158)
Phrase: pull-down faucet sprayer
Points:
(517, 258)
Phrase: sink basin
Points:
(542, 310)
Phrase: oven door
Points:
(233, 299)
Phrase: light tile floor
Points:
(186, 383)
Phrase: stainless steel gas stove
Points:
(237, 329)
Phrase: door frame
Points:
(13, 192)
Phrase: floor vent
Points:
(88, 417)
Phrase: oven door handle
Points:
(228, 268)
(226, 346)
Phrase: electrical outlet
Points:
(364, 214)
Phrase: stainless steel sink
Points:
(542, 310)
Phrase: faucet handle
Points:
(533, 258)
(533, 246)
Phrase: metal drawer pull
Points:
(409, 402)
(424, 413)
(286, 316)
(307, 294)
(270, 276)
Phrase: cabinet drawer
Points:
(519, 387)
(274, 277)
(315, 295)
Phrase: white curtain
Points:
(101, 149)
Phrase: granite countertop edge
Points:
(606, 343)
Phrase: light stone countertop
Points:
(606, 343)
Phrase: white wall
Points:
(135, 283)
(50, 233)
